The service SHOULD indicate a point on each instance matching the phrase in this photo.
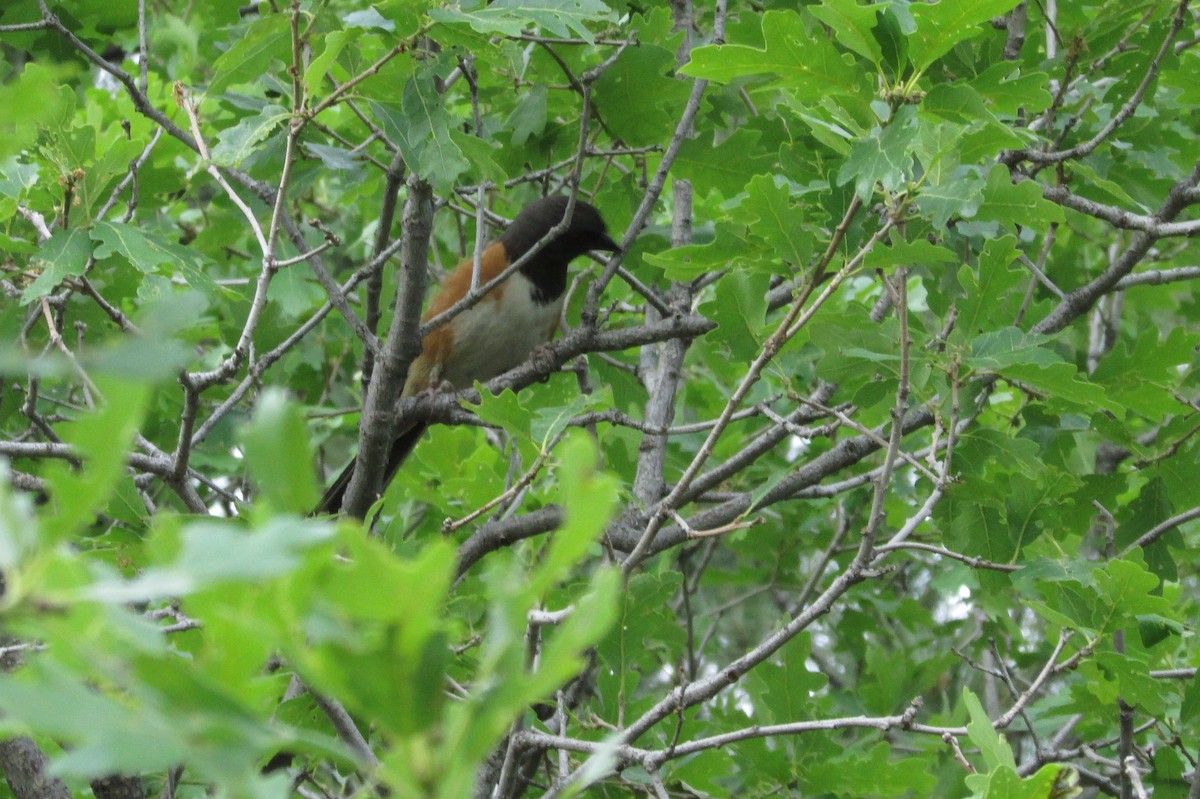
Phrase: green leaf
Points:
(1005, 783)
(236, 144)
(990, 292)
(778, 222)
(592, 617)
(17, 178)
(1010, 92)
(726, 166)
(1153, 629)
(1132, 675)
(885, 158)
(639, 94)
(944, 24)
(278, 454)
(106, 733)
(368, 18)
(976, 528)
(985, 141)
(376, 585)
(506, 410)
(1150, 507)
(375, 636)
(909, 253)
(1189, 708)
(588, 498)
(267, 41)
(144, 249)
(335, 158)
(950, 194)
(1069, 604)
(1152, 359)
(1008, 346)
(214, 553)
(19, 534)
(468, 472)
(314, 74)
(692, 260)
(1033, 505)
(856, 352)
(529, 116)
(37, 94)
(562, 18)
(65, 255)
(481, 154)
(836, 137)
(153, 359)
(992, 746)
(809, 66)
(1019, 204)
(893, 41)
(551, 419)
(955, 103)
(1103, 189)
(1005, 498)
(852, 24)
(875, 773)
(647, 631)
(1129, 588)
(420, 127)
(788, 690)
(102, 439)
(739, 309)
(1063, 387)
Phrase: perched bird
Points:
(503, 328)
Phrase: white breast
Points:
(498, 334)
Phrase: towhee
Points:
(506, 325)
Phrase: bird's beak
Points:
(604, 242)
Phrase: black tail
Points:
(402, 447)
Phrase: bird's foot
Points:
(544, 359)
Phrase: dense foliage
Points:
(867, 469)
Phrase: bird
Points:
(507, 324)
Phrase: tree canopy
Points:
(866, 468)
